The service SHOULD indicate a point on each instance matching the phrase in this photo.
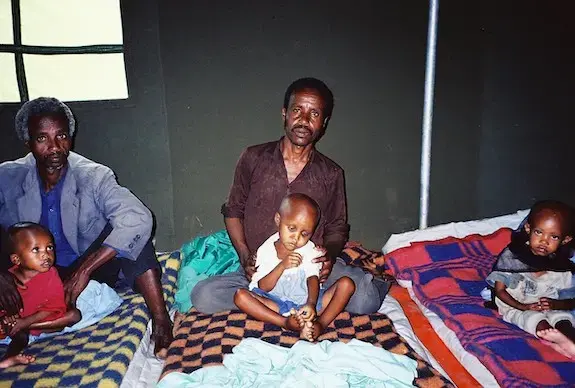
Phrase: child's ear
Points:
(527, 228)
(277, 219)
(15, 259)
(566, 240)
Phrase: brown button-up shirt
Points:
(260, 184)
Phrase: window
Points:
(69, 49)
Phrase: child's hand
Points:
(307, 312)
(19, 325)
(533, 306)
(292, 260)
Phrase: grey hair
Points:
(42, 106)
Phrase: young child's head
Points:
(296, 220)
(549, 226)
(31, 247)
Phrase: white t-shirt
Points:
(292, 284)
(531, 288)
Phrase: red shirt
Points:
(44, 292)
(260, 184)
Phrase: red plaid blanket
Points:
(447, 277)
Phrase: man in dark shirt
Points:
(266, 173)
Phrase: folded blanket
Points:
(97, 301)
(201, 258)
(256, 363)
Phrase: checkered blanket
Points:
(447, 277)
(202, 339)
(97, 356)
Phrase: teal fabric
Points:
(255, 363)
(201, 258)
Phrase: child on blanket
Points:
(531, 271)
(285, 289)
(41, 306)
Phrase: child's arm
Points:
(10, 300)
(24, 323)
(309, 310)
(503, 295)
(71, 317)
(268, 282)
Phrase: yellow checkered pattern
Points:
(99, 355)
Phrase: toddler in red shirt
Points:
(42, 304)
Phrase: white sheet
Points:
(145, 369)
(455, 229)
(393, 310)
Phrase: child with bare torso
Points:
(285, 289)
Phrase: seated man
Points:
(99, 227)
(264, 175)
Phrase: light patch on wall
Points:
(71, 49)
(70, 22)
(81, 77)
(8, 84)
(6, 34)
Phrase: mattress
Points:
(459, 230)
(98, 355)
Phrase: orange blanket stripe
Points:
(422, 328)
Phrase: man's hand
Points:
(74, 285)
(249, 265)
(10, 300)
(326, 264)
(292, 260)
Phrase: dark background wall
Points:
(207, 80)
(130, 136)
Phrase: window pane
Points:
(70, 22)
(8, 81)
(76, 77)
(6, 36)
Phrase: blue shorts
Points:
(286, 305)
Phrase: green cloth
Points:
(257, 364)
(201, 258)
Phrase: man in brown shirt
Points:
(264, 175)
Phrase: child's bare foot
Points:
(558, 341)
(311, 331)
(17, 360)
(292, 322)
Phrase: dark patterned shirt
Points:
(260, 184)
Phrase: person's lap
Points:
(283, 306)
(216, 294)
(109, 272)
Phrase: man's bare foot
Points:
(162, 336)
(311, 331)
(558, 341)
(19, 359)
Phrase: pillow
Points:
(455, 229)
(476, 252)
